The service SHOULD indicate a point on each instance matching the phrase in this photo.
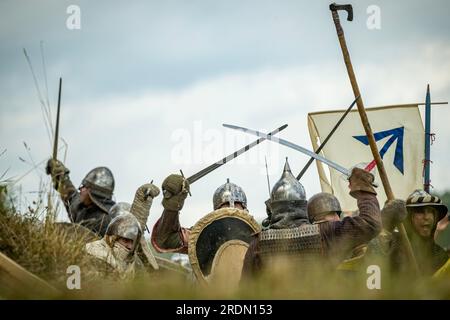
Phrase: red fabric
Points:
(183, 236)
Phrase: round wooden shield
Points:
(218, 243)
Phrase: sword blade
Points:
(55, 143)
(291, 145)
(235, 154)
(322, 145)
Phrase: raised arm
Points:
(354, 231)
(167, 234)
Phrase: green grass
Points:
(43, 248)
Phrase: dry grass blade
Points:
(4, 174)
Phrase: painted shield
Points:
(218, 243)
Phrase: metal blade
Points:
(291, 145)
(235, 154)
(322, 145)
(55, 143)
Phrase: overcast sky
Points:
(148, 84)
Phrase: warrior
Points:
(326, 207)
(378, 250)
(90, 204)
(326, 241)
(217, 243)
(168, 235)
(423, 213)
(123, 250)
(115, 254)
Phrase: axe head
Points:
(346, 7)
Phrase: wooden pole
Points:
(368, 130)
(427, 161)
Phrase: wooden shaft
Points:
(427, 161)
(365, 120)
(369, 134)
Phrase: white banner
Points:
(399, 133)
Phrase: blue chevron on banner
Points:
(396, 134)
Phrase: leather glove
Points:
(57, 170)
(142, 202)
(361, 180)
(175, 190)
(150, 190)
(393, 212)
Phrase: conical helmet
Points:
(288, 188)
(287, 201)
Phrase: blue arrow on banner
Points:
(396, 134)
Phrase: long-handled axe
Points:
(364, 120)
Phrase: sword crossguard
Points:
(182, 174)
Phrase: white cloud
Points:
(133, 134)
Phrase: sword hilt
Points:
(369, 167)
(182, 174)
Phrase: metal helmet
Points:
(229, 193)
(287, 201)
(125, 226)
(321, 204)
(100, 182)
(421, 198)
(288, 188)
(119, 208)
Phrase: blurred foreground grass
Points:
(44, 249)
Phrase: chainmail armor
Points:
(302, 244)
